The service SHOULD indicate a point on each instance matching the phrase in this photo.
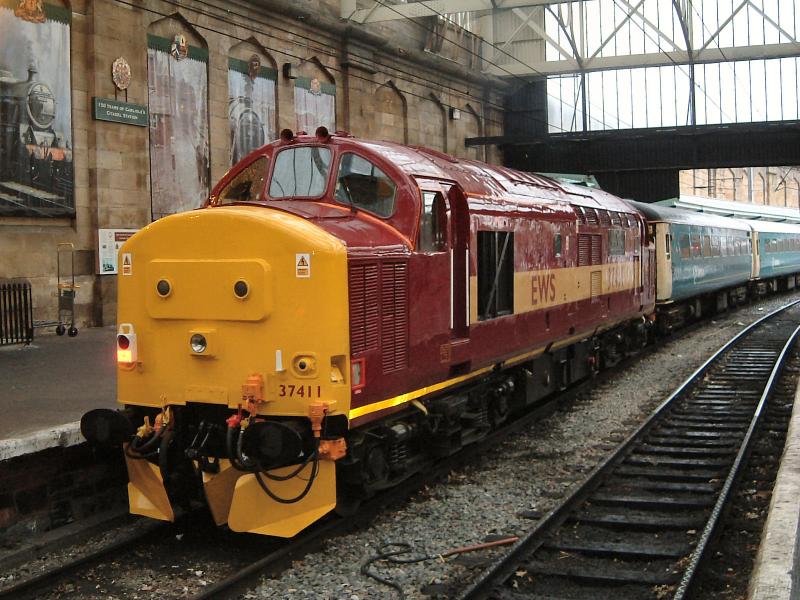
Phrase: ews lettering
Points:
(543, 288)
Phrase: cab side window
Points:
(361, 184)
(433, 223)
(247, 185)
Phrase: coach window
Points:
(247, 185)
(686, 250)
(697, 249)
(495, 274)
(363, 185)
(433, 223)
(557, 245)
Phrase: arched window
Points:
(761, 189)
(252, 102)
(796, 188)
(177, 86)
(431, 124)
(314, 97)
(389, 119)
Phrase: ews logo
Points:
(543, 288)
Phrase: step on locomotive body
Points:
(342, 312)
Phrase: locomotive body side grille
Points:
(584, 249)
(590, 249)
(597, 256)
(363, 289)
(394, 316)
(16, 312)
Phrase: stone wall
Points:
(386, 87)
(48, 489)
(771, 186)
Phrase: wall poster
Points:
(314, 104)
(36, 172)
(177, 85)
(109, 241)
(251, 105)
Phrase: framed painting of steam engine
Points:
(251, 105)
(177, 86)
(36, 170)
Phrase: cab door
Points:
(459, 252)
(443, 243)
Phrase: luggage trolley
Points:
(66, 289)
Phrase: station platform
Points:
(48, 385)
(776, 573)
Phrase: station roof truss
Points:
(620, 64)
(552, 37)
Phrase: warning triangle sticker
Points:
(126, 260)
(302, 262)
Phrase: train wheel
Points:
(61, 330)
(73, 331)
(346, 504)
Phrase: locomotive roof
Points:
(480, 179)
(659, 213)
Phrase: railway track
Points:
(31, 586)
(273, 555)
(639, 525)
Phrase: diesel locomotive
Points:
(342, 312)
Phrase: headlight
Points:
(198, 343)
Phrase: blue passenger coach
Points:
(777, 256)
(703, 262)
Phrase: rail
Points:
(668, 480)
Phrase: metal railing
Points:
(16, 312)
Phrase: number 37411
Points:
(289, 390)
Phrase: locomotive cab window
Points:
(247, 185)
(433, 223)
(361, 184)
(495, 274)
(557, 245)
(300, 172)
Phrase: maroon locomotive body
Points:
(473, 268)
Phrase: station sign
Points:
(120, 112)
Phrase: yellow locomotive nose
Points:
(226, 312)
(217, 295)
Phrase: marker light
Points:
(358, 375)
(198, 343)
(126, 344)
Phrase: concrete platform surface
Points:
(775, 574)
(47, 386)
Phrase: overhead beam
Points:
(413, 10)
(701, 147)
(654, 59)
